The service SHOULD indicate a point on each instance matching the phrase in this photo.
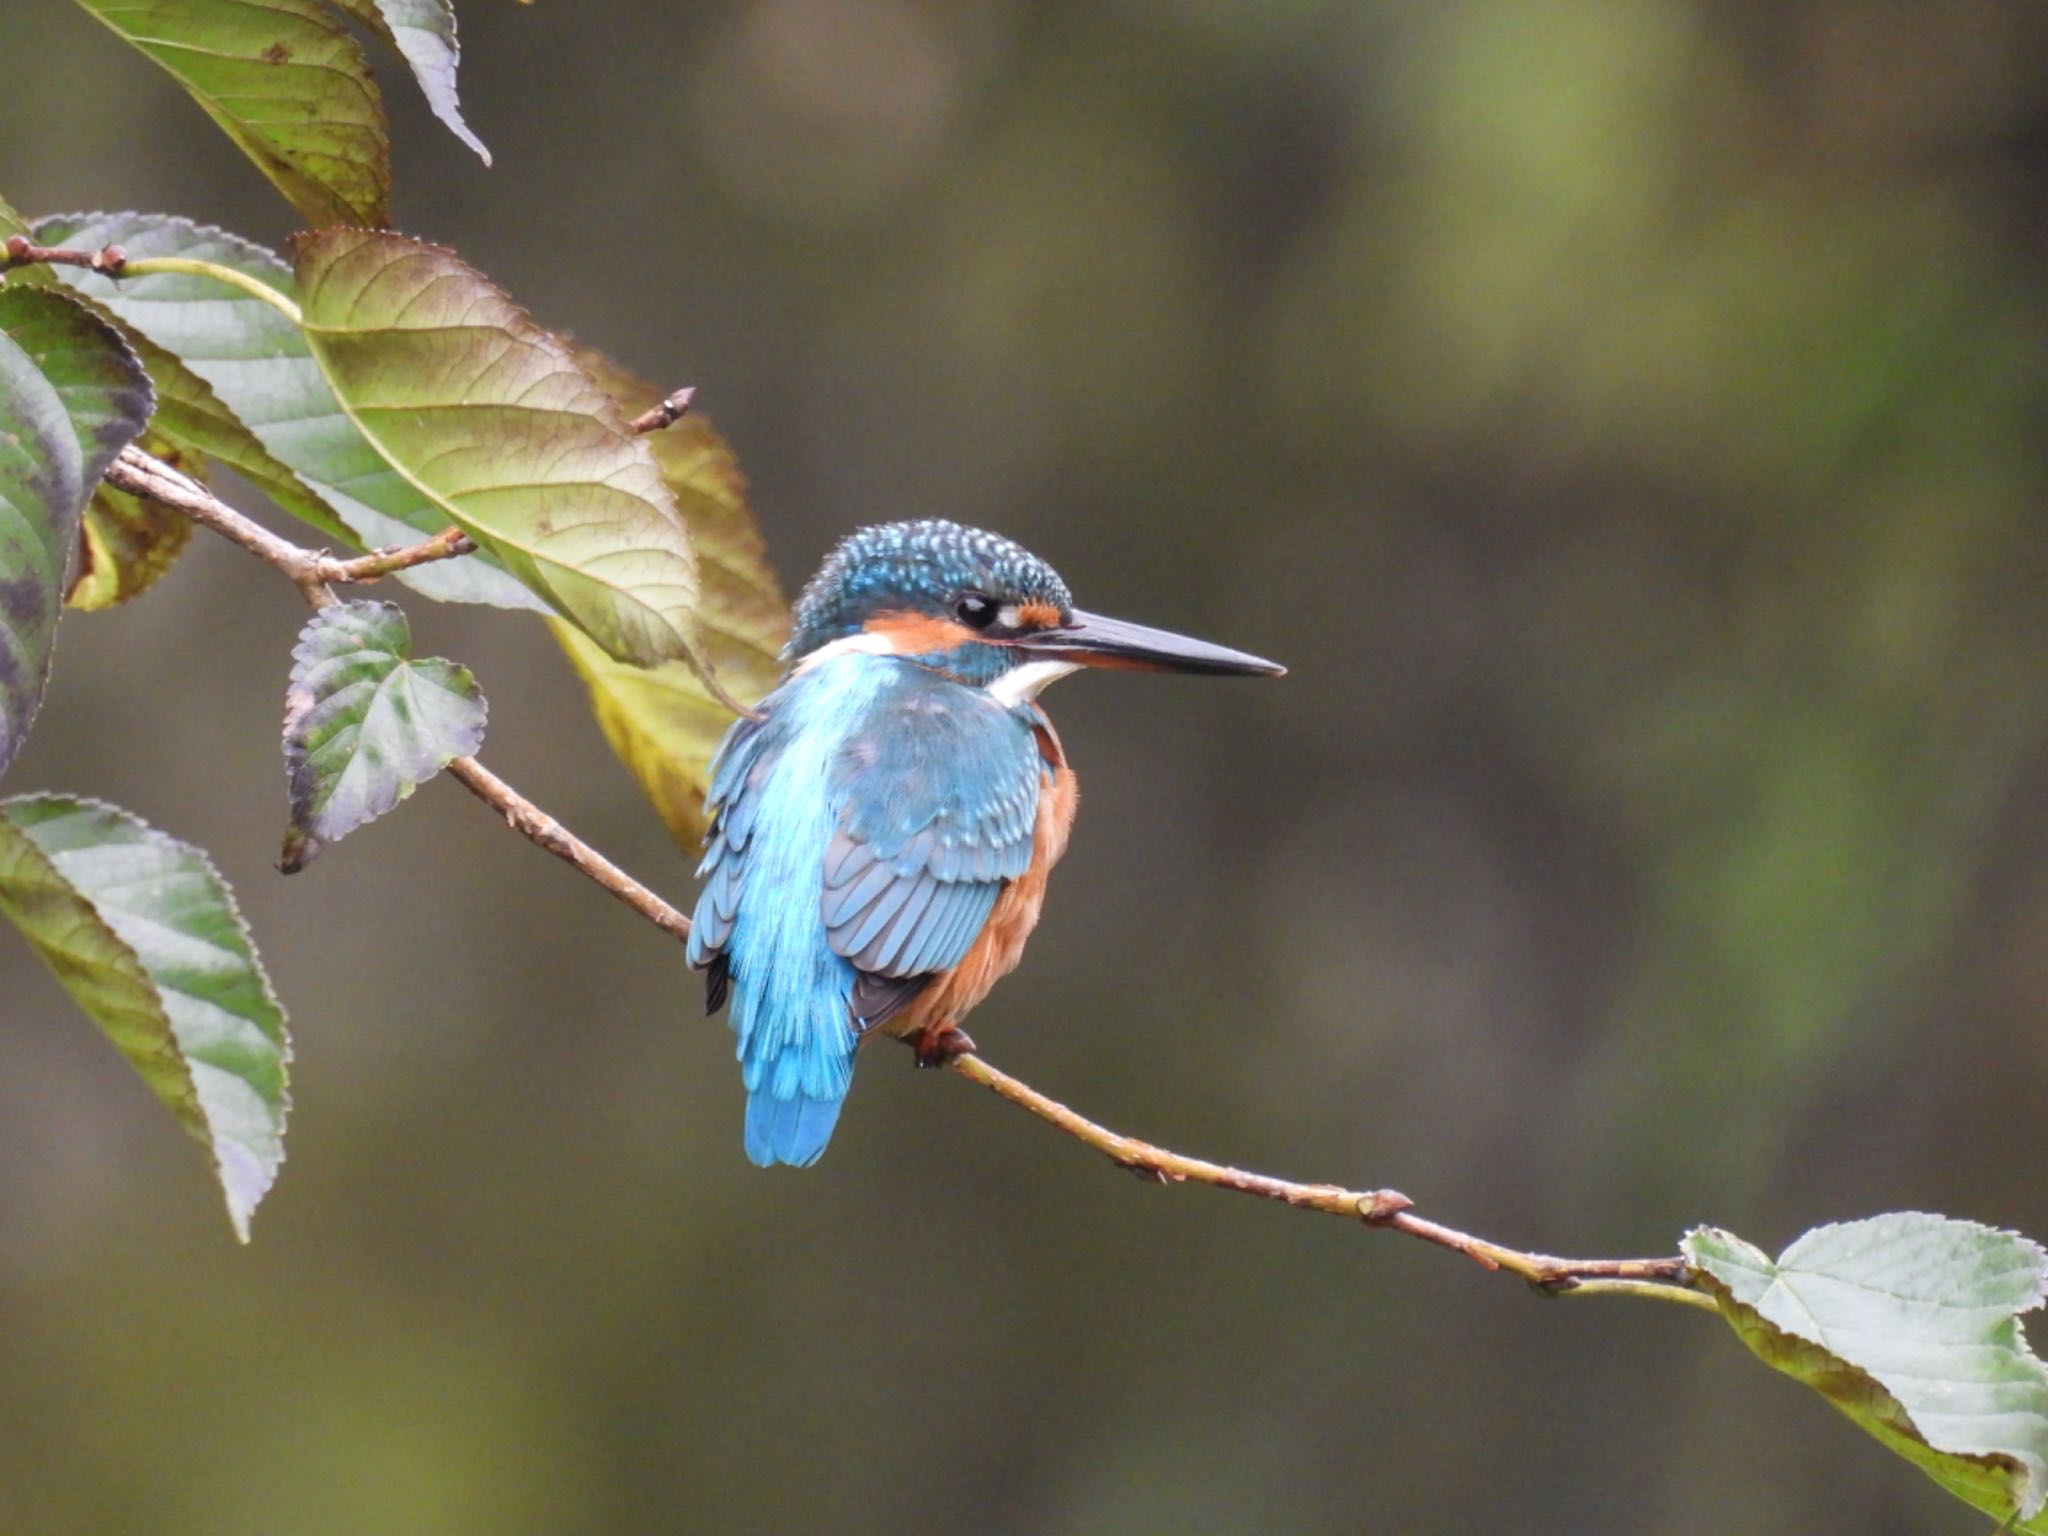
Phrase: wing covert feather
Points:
(938, 795)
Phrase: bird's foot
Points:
(941, 1042)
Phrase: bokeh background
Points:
(1626, 417)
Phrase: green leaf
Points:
(263, 377)
(423, 32)
(1909, 1324)
(127, 542)
(660, 721)
(190, 416)
(365, 725)
(490, 417)
(143, 932)
(287, 83)
(95, 373)
(191, 427)
(71, 397)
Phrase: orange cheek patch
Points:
(916, 634)
(1037, 616)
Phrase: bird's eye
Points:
(977, 610)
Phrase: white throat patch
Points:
(1019, 684)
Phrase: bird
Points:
(880, 827)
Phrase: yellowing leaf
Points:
(660, 721)
(490, 418)
(253, 376)
(127, 542)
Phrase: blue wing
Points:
(937, 795)
(859, 835)
(744, 757)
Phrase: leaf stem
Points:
(112, 261)
(1647, 1290)
(1661, 1279)
(256, 288)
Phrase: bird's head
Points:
(979, 608)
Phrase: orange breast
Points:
(1001, 943)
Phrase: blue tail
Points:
(796, 1040)
(796, 1079)
(761, 911)
(790, 1131)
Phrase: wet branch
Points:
(315, 574)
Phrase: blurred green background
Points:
(1626, 419)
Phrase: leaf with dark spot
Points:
(286, 82)
(72, 395)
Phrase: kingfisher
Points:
(881, 828)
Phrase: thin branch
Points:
(112, 261)
(1659, 1279)
(140, 474)
(379, 563)
(1666, 1279)
(311, 571)
(22, 252)
(541, 829)
(666, 414)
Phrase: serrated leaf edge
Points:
(300, 702)
(155, 834)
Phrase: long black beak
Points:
(1090, 640)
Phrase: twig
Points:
(379, 563)
(22, 251)
(666, 414)
(312, 572)
(113, 261)
(140, 474)
(541, 829)
(1658, 1279)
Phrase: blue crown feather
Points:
(918, 567)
